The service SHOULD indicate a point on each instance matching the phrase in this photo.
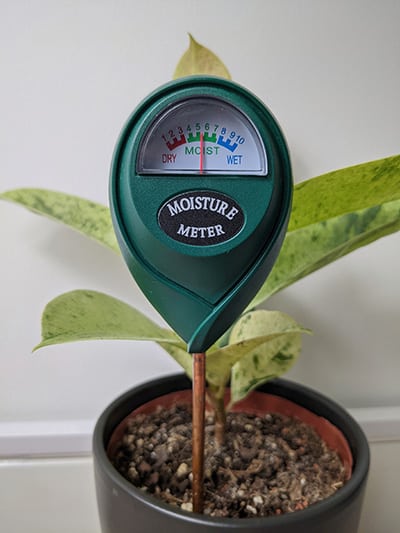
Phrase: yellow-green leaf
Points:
(89, 218)
(89, 315)
(273, 356)
(270, 360)
(180, 354)
(249, 335)
(333, 215)
(200, 60)
(344, 191)
(317, 245)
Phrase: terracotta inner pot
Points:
(257, 403)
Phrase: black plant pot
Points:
(123, 508)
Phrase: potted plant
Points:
(331, 216)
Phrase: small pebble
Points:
(133, 473)
(227, 460)
(183, 471)
(144, 467)
(187, 507)
(129, 439)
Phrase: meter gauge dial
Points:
(203, 135)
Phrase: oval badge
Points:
(201, 218)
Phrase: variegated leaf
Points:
(180, 354)
(333, 215)
(317, 245)
(272, 357)
(88, 315)
(89, 218)
(248, 336)
(345, 190)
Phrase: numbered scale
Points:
(200, 197)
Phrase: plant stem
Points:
(220, 421)
(218, 403)
(198, 420)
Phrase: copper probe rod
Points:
(198, 419)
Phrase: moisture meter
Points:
(200, 197)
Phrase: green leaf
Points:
(279, 348)
(312, 247)
(89, 315)
(89, 218)
(249, 335)
(344, 191)
(180, 354)
(271, 360)
(200, 60)
(327, 225)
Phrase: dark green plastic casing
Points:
(200, 290)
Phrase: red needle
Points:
(201, 152)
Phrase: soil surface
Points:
(268, 465)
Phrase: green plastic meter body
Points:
(200, 197)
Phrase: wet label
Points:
(201, 218)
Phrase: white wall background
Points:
(72, 71)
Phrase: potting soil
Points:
(267, 465)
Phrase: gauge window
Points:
(203, 135)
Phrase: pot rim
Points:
(304, 396)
